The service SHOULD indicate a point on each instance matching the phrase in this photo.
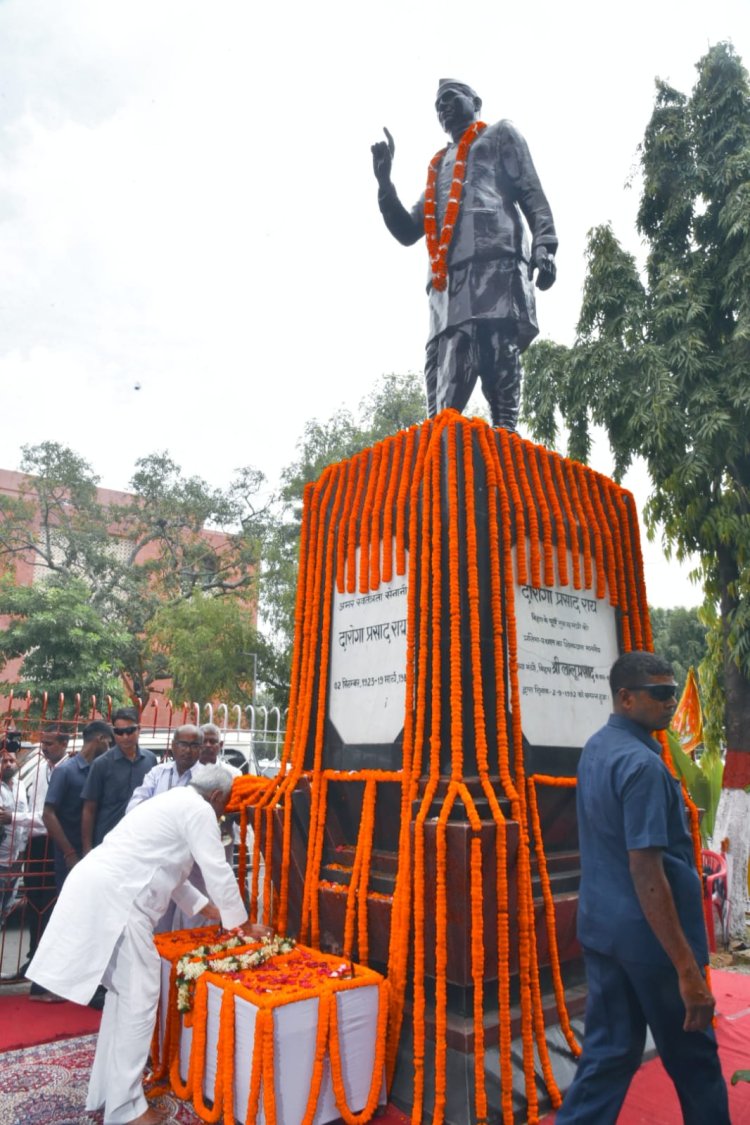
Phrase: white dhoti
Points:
(132, 983)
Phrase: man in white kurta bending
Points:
(101, 930)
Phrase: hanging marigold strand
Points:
(269, 1070)
(629, 584)
(514, 446)
(549, 910)
(628, 502)
(454, 609)
(366, 520)
(542, 504)
(606, 533)
(441, 954)
(377, 512)
(362, 460)
(398, 949)
(342, 537)
(367, 830)
(256, 1072)
(439, 244)
(353, 889)
(403, 488)
(506, 479)
(337, 1080)
(326, 586)
(317, 814)
(575, 550)
(592, 524)
(616, 568)
(321, 1043)
(581, 521)
(556, 514)
(497, 491)
(198, 1052)
(477, 951)
(390, 498)
(432, 470)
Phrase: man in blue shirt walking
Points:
(640, 916)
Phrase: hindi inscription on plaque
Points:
(368, 662)
(567, 642)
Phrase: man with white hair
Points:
(101, 931)
(187, 743)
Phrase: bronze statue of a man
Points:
(482, 309)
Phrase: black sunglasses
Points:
(661, 692)
(125, 730)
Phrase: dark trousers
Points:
(40, 886)
(483, 349)
(624, 997)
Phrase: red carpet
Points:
(46, 1085)
(24, 1023)
(651, 1098)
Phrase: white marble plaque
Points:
(567, 643)
(368, 663)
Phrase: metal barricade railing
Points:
(252, 741)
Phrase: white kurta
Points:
(146, 857)
(102, 931)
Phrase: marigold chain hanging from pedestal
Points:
(417, 488)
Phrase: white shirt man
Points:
(187, 742)
(101, 930)
(15, 825)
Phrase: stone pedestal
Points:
(463, 594)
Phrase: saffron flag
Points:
(687, 721)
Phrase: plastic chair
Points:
(715, 896)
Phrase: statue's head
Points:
(457, 105)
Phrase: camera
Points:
(11, 741)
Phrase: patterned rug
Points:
(46, 1085)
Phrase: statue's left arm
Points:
(529, 194)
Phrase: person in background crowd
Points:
(39, 861)
(187, 742)
(102, 928)
(640, 912)
(62, 813)
(213, 747)
(112, 779)
(63, 804)
(15, 822)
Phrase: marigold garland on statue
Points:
(438, 245)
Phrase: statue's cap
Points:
(454, 84)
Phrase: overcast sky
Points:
(187, 204)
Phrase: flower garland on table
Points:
(299, 975)
(217, 958)
(438, 244)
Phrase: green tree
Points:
(65, 645)
(394, 403)
(680, 637)
(662, 362)
(172, 537)
(211, 647)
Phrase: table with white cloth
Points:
(289, 990)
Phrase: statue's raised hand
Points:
(382, 158)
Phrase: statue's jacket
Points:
(489, 252)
